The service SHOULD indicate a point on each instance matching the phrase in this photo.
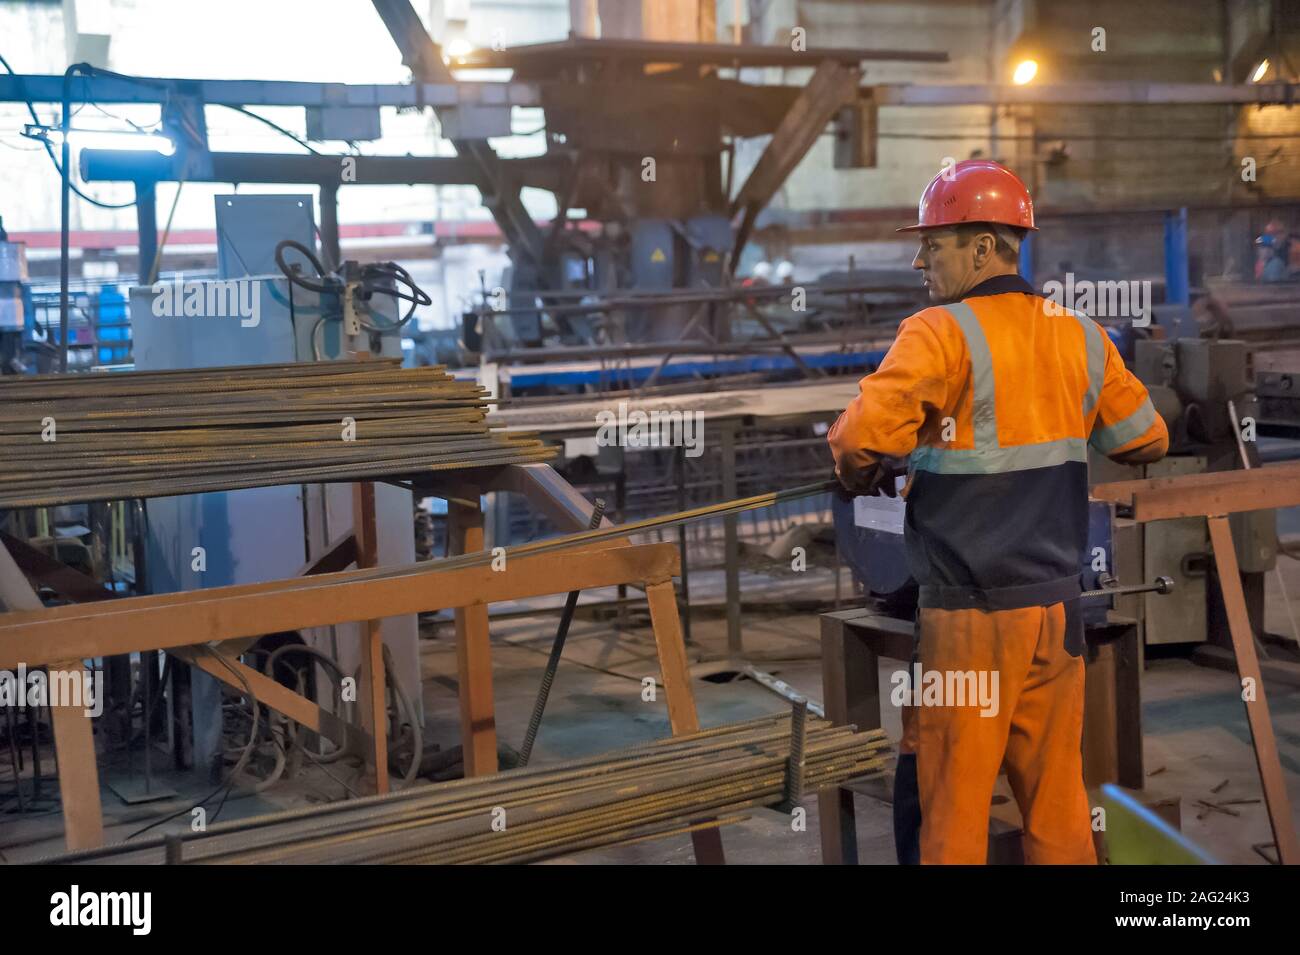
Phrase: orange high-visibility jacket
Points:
(994, 400)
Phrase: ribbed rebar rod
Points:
(74, 438)
(671, 784)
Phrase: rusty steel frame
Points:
(1214, 496)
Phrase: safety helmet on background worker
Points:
(784, 270)
(975, 190)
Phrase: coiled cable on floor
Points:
(402, 715)
(328, 663)
(403, 705)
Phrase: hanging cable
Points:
(49, 151)
(167, 231)
(276, 126)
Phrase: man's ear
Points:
(986, 247)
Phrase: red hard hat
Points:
(975, 190)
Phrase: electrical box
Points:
(472, 121)
(653, 259)
(346, 123)
(710, 241)
(250, 227)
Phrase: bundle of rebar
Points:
(670, 786)
(92, 437)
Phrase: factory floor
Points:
(1197, 743)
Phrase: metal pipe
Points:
(65, 199)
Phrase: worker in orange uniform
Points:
(992, 396)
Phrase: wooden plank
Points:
(1128, 707)
(478, 727)
(74, 740)
(1196, 495)
(551, 494)
(853, 641)
(1100, 717)
(850, 671)
(338, 556)
(373, 698)
(235, 674)
(164, 621)
(682, 715)
(1261, 491)
(372, 695)
(74, 744)
(1257, 716)
(55, 574)
(541, 484)
(1122, 492)
(836, 816)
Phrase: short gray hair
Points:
(1008, 237)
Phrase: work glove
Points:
(874, 480)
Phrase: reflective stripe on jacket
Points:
(994, 401)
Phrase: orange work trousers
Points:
(1036, 733)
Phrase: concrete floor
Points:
(1195, 727)
(1194, 723)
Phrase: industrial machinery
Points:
(663, 227)
(1205, 389)
(272, 301)
(641, 136)
(346, 297)
(17, 327)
